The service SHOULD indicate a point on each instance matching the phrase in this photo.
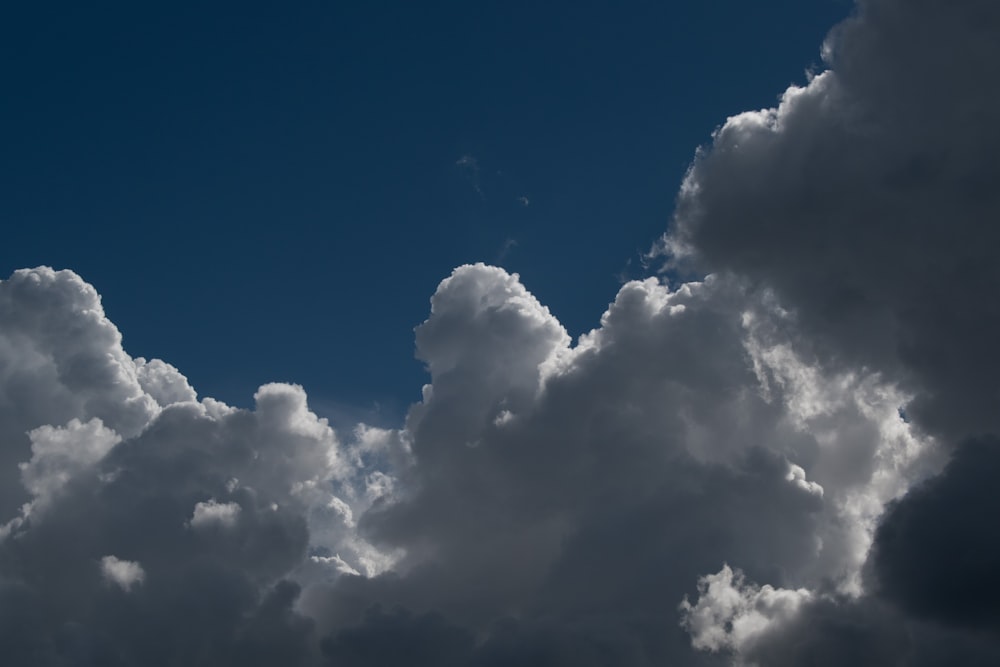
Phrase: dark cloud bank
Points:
(789, 462)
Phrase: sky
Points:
(588, 334)
(290, 184)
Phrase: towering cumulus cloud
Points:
(785, 461)
(866, 204)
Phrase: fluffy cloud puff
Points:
(545, 501)
(703, 479)
(156, 529)
(559, 506)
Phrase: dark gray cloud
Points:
(936, 550)
(865, 205)
(838, 631)
(400, 637)
(867, 202)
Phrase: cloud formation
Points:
(784, 461)
(866, 202)
(545, 500)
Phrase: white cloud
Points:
(163, 382)
(60, 359)
(58, 454)
(731, 613)
(335, 562)
(212, 513)
(123, 573)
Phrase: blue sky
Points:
(272, 194)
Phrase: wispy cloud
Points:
(508, 245)
(469, 167)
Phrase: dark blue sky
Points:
(271, 192)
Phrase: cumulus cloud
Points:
(62, 360)
(545, 498)
(731, 613)
(863, 205)
(214, 513)
(163, 382)
(799, 415)
(116, 463)
(866, 201)
(58, 454)
(559, 492)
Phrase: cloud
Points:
(555, 485)
(505, 249)
(214, 513)
(59, 454)
(469, 166)
(123, 573)
(866, 202)
(731, 613)
(934, 554)
(862, 205)
(62, 360)
(135, 482)
(768, 465)
(163, 382)
(539, 489)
